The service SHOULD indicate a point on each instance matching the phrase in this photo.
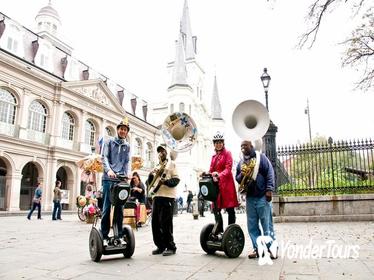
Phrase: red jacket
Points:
(222, 163)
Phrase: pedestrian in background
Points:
(57, 194)
(36, 202)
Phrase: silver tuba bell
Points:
(250, 121)
(179, 132)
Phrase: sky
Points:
(132, 41)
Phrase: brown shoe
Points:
(253, 254)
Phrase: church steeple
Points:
(189, 41)
(216, 104)
(179, 68)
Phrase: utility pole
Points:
(307, 112)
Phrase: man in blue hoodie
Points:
(116, 155)
(259, 187)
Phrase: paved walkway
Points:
(46, 249)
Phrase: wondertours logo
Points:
(311, 250)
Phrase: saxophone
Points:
(153, 187)
(250, 166)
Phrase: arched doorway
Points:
(28, 185)
(62, 176)
(3, 172)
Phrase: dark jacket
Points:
(140, 196)
(265, 178)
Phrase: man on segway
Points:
(116, 155)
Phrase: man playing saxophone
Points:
(163, 181)
(255, 175)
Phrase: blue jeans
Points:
(271, 226)
(117, 215)
(56, 210)
(34, 205)
(258, 210)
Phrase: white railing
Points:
(7, 129)
(64, 143)
(36, 136)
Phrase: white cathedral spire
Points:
(179, 68)
(216, 104)
(189, 41)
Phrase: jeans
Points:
(117, 215)
(34, 205)
(56, 210)
(271, 226)
(258, 210)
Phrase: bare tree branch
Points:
(359, 45)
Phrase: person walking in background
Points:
(36, 202)
(259, 187)
(57, 194)
(189, 200)
(220, 168)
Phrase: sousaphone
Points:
(179, 132)
(251, 121)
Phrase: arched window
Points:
(108, 131)
(181, 107)
(68, 126)
(37, 116)
(89, 135)
(138, 146)
(148, 152)
(7, 106)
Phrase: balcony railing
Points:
(37, 136)
(7, 129)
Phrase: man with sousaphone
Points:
(178, 131)
(255, 175)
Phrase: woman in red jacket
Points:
(221, 170)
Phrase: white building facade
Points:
(53, 109)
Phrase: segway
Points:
(212, 237)
(119, 193)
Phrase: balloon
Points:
(82, 201)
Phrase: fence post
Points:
(330, 141)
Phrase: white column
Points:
(49, 183)
(56, 122)
(24, 114)
(14, 192)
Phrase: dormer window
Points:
(12, 45)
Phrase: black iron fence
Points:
(326, 168)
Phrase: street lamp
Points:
(265, 79)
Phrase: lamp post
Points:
(307, 112)
(265, 79)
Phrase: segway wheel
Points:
(96, 245)
(81, 215)
(233, 241)
(129, 237)
(204, 237)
